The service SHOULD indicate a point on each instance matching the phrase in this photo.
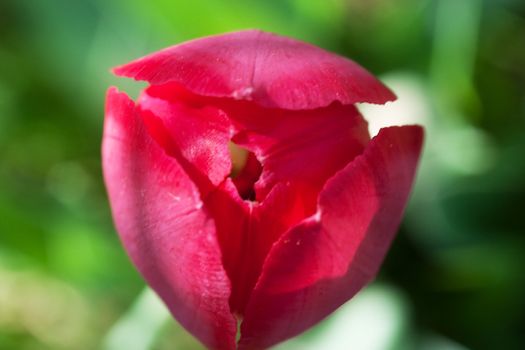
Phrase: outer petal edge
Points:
(271, 70)
(163, 227)
(321, 263)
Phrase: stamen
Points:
(246, 170)
(239, 156)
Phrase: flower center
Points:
(245, 172)
(238, 156)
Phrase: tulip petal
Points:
(271, 70)
(303, 148)
(197, 136)
(322, 262)
(164, 227)
(246, 231)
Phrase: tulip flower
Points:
(298, 228)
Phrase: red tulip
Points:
(300, 229)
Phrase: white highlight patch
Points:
(411, 107)
(317, 216)
(174, 197)
(243, 94)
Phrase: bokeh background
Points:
(454, 278)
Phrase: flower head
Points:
(293, 232)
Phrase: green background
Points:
(454, 278)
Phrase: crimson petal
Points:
(271, 70)
(164, 227)
(196, 135)
(247, 230)
(322, 262)
(303, 148)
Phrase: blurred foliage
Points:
(458, 67)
